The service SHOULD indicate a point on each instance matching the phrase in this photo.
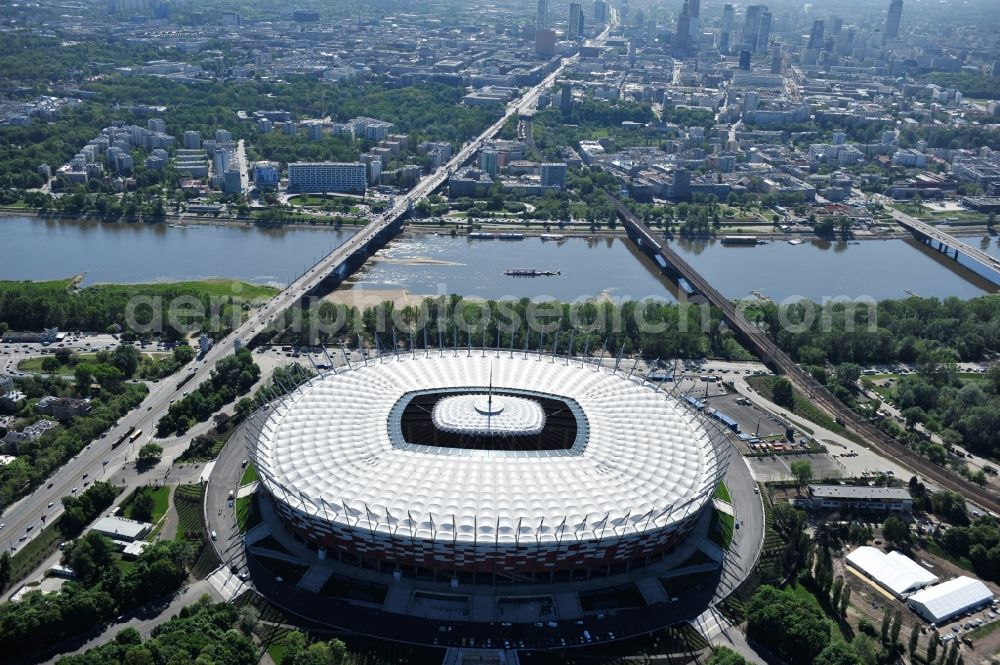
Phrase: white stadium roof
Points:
(943, 601)
(334, 450)
(896, 572)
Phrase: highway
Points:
(773, 356)
(88, 465)
(924, 229)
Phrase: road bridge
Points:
(771, 354)
(984, 264)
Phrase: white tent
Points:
(896, 573)
(948, 599)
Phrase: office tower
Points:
(726, 30)
(694, 12)
(553, 174)
(545, 42)
(751, 24)
(728, 17)
(575, 29)
(745, 60)
(682, 38)
(776, 58)
(892, 20)
(489, 162)
(836, 24)
(763, 32)
(566, 99)
(600, 11)
(541, 21)
(816, 36)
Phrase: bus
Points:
(135, 436)
(122, 438)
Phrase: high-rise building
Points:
(776, 59)
(489, 162)
(682, 38)
(836, 25)
(892, 20)
(728, 17)
(694, 12)
(575, 29)
(545, 42)
(816, 36)
(600, 11)
(751, 25)
(553, 175)
(566, 99)
(192, 140)
(327, 177)
(763, 32)
(745, 60)
(542, 20)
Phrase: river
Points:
(427, 264)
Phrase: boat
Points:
(511, 236)
(552, 237)
(482, 235)
(530, 272)
(796, 241)
(739, 240)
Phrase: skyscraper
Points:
(575, 29)
(542, 20)
(816, 36)
(892, 20)
(694, 12)
(745, 60)
(682, 38)
(751, 25)
(776, 58)
(726, 31)
(763, 31)
(600, 11)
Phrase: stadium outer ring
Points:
(509, 542)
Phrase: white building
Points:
(949, 599)
(895, 572)
(347, 177)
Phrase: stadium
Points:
(487, 467)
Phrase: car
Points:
(279, 579)
(21, 539)
(73, 491)
(85, 475)
(2, 525)
(244, 576)
(51, 503)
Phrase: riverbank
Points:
(462, 227)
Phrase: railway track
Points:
(775, 358)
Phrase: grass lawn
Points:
(722, 492)
(34, 365)
(161, 501)
(32, 552)
(721, 529)
(188, 503)
(123, 565)
(247, 513)
(249, 476)
(983, 631)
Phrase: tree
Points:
(914, 636)
(897, 625)
(149, 455)
(848, 375)
(838, 589)
(89, 556)
(50, 364)
(725, 656)
(845, 598)
(837, 653)
(126, 358)
(802, 472)
(782, 392)
(5, 569)
(142, 505)
(896, 531)
(797, 631)
(932, 646)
